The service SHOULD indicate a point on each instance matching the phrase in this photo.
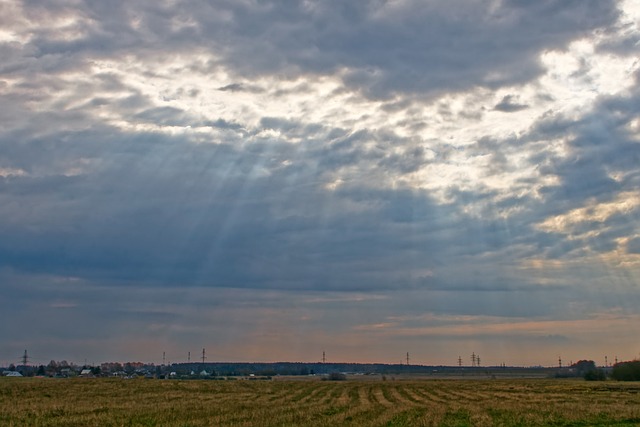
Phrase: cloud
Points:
(509, 105)
(239, 87)
(633, 245)
(227, 163)
(379, 48)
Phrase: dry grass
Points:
(114, 402)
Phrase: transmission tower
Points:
(324, 359)
(163, 358)
(189, 357)
(477, 360)
(559, 362)
(473, 359)
(25, 358)
(203, 356)
(407, 358)
(459, 361)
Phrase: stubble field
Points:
(117, 402)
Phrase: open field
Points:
(117, 402)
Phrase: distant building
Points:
(12, 374)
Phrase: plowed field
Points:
(115, 402)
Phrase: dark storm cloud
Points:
(379, 47)
(413, 47)
(157, 209)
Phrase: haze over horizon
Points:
(269, 180)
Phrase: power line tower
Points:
(324, 358)
(203, 356)
(163, 358)
(560, 362)
(25, 358)
(189, 357)
(407, 358)
(460, 361)
(477, 360)
(473, 359)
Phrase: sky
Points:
(269, 180)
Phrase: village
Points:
(586, 369)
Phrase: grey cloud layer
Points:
(380, 48)
(291, 204)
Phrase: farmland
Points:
(140, 402)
